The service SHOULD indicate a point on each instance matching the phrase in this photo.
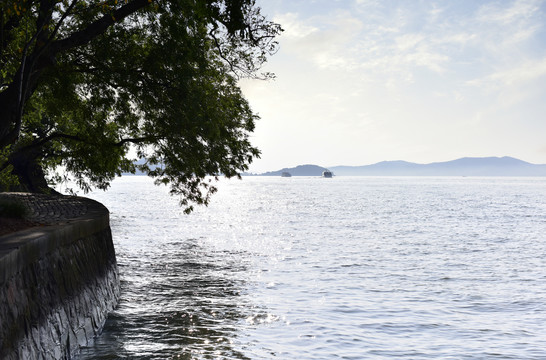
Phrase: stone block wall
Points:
(57, 285)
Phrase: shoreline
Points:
(58, 280)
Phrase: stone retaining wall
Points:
(57, 285)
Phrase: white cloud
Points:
(500, 14)
(506, 30)
(407, 42)
(395, 41)
(323, 40)
(515, 76)
(293, 27)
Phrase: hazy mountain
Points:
(301, 170)
(468, 166)
(488, 166)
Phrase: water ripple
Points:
(355, 268)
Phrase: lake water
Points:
(342, 268)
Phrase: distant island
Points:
(301, 170)
(468, 166)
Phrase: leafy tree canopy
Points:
(83, 82)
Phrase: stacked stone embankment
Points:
(58, 281)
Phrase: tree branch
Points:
(137, 140)
(58, 135)
(97, 27)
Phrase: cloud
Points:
(515, 76)
(501, 15)
(507, 31)
(397, 42)
(406, 42)
(324, 41)
(294, 28)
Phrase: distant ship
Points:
(286, 174)
(327, 174)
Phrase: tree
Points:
(83, 82)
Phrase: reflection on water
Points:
(183, 300)
(354, 268)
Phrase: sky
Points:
(363, 81)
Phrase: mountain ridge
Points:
(466, 166)
(300, 170)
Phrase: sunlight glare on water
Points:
(312, 268)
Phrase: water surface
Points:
(342, 268)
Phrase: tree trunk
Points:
(8, 116)
(30, 174)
